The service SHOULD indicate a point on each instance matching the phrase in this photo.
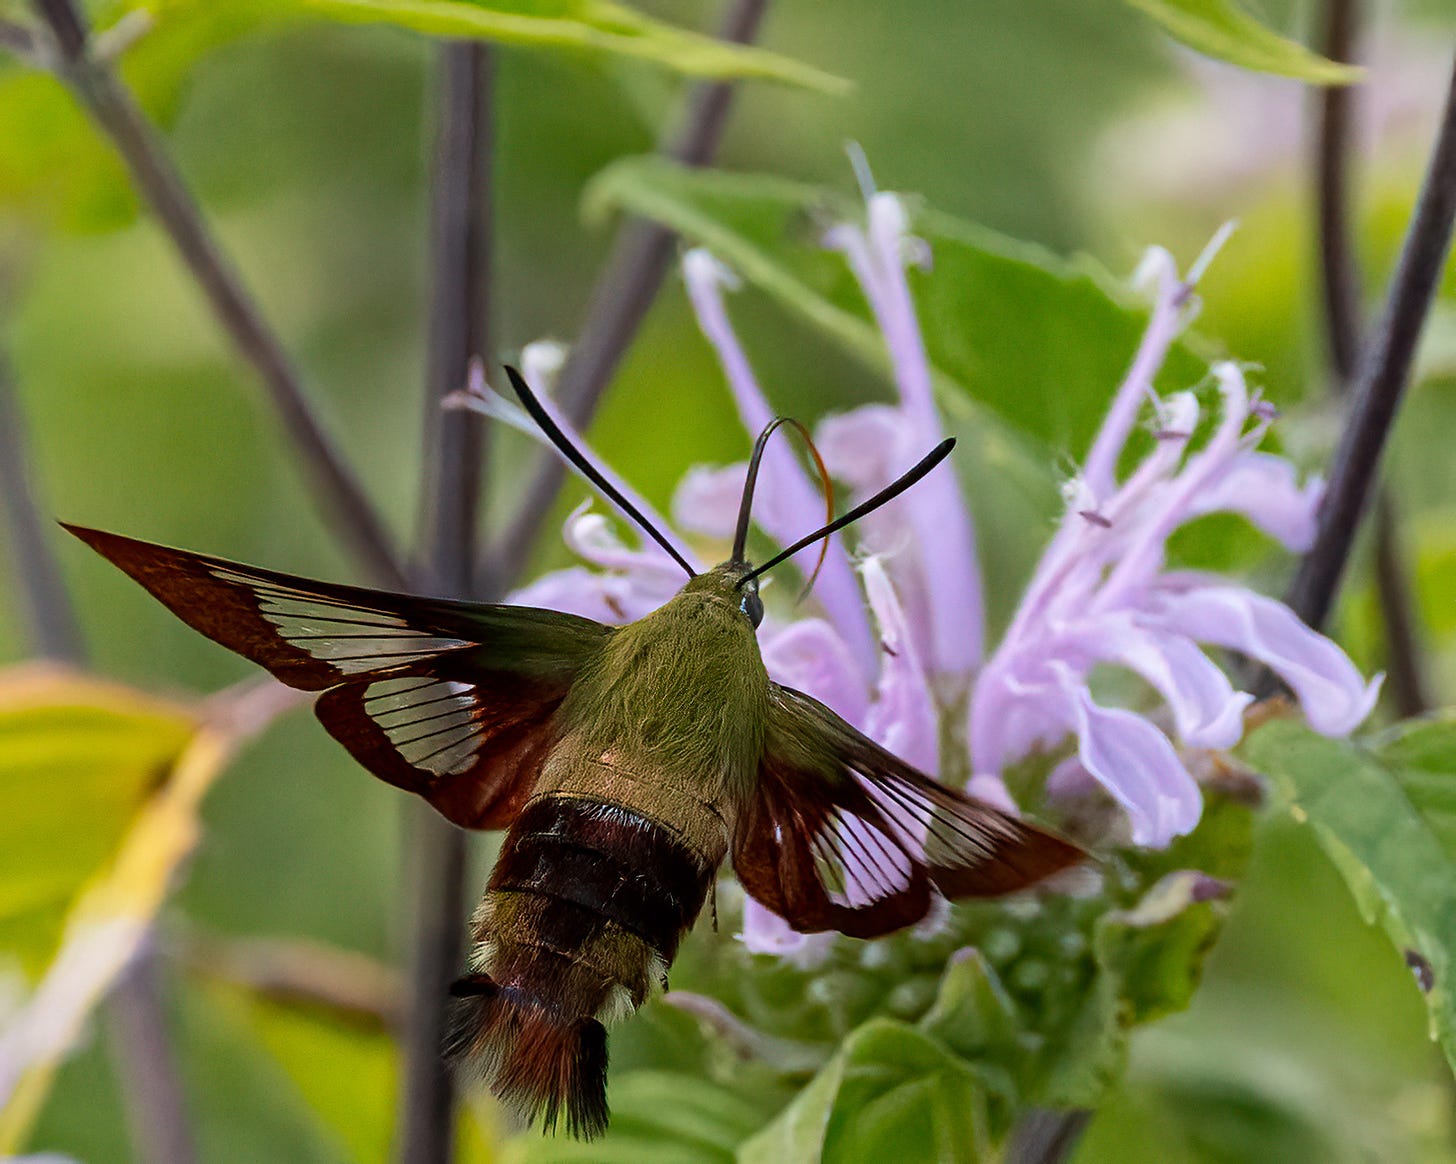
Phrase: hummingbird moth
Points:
(626, 764)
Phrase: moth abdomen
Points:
(584, 913)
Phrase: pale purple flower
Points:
(1101, 595)
(892, 640)
(937, 570)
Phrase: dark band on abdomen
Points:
(584, 913)
(610, 860)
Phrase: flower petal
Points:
(1334, 696)
(865, 446)
(810, 655)
(903, 717)
(794, 507)
(944, 538)
(613, 599)
(1163, 327)
(764, 932)
(1265, 489)
(706, 500)
(1011, 714)
(1137, 765)
(1207, 710)
(591, 536)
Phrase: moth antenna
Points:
(888, 493)
(587, 469)
(745, 507)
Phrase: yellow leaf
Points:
(99, 792)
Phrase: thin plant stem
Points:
(1044, 1136)
(454, 460)
(156, 1103)
(1339, 276)
(113, 108)
(1405, 670)
(1384, 369)
(1406, 683)
(17, 39)
(623, 292)
(156, 1110)
(55, 632)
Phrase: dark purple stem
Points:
(454, 459)
(1383, 371)
(113, 108)
(624, 290)
(1340, 286)
(55, 632)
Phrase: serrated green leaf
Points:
(588, 26)
(891, 1093)
(1221, 29)
(1386, 817)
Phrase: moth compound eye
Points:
(752, 606)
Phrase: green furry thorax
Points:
(682, 691)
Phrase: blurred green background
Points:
(1070, 123)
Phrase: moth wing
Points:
(454, 701)
(470, 742)
(843, 835)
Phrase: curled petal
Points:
(764, 932)
(541, 364)
(706, 500)
(592, 536)
(808, 654)
(1331, 691)
(943, 536)
(1163, 327)
(1208, 712)
(1137, 765)
(1265, 489)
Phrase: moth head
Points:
(728, 583)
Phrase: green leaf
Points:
(1225, 1098)
(1221, 29)
(328, 1076)
(1386, 817)
(587, 26)
(78, 761)
(1157, 949)
(891, 1093)
(99, 792)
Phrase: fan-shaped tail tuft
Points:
(534, 1061)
